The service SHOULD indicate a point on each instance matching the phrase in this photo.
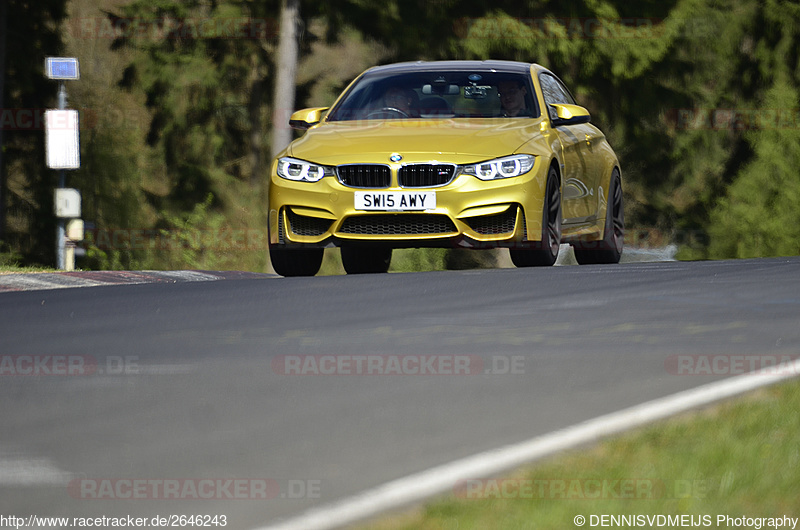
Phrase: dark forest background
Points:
(698, 97)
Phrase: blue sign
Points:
(62, 68)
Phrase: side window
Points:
(566, 97)
(554, 92)
(551, 93)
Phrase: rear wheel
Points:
(296, 262)
(366, 260)
(547, 251)
(609, 249)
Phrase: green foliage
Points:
(463, 259)
(198, 89)
(33, 33)
(331, 263)
(177, 112)
(759, 214)
(658, 84)
(173, 117)
(8, 258)
(113, 196)
(189, 235)
(414, 260)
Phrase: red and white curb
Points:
(63, 280)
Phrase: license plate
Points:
(395, 200)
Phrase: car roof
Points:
(423, 66)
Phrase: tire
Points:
(546, 252)
(609, 249)
(366, 260)
(296, 262)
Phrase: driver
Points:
(401, 99)
(512, 98)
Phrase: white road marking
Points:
(21, 471)
(48, 280)
(30, 282)
(667, 253)
(441, 479)
(185, 276)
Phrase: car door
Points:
(580, 167)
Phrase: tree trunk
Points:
(254, 110)
(283, 102)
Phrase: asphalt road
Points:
(185, 383)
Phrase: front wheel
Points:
(366, 260)
(296, 262)
(609, 249)
(547, 251)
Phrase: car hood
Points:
(460, 140)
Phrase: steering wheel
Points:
(385, 110)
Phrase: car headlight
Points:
(294, 169)
(500, 168)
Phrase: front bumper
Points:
(469, 213)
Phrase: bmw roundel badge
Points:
(396, 157)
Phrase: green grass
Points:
(739, 458)
(23, 270)
(10, 264)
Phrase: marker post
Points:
(62, 138)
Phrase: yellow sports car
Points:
(471, 154)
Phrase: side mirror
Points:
(570, 114)
(306, 118)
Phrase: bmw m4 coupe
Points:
(457, 154)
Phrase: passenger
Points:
(512, 98)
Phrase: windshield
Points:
(437, 95)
